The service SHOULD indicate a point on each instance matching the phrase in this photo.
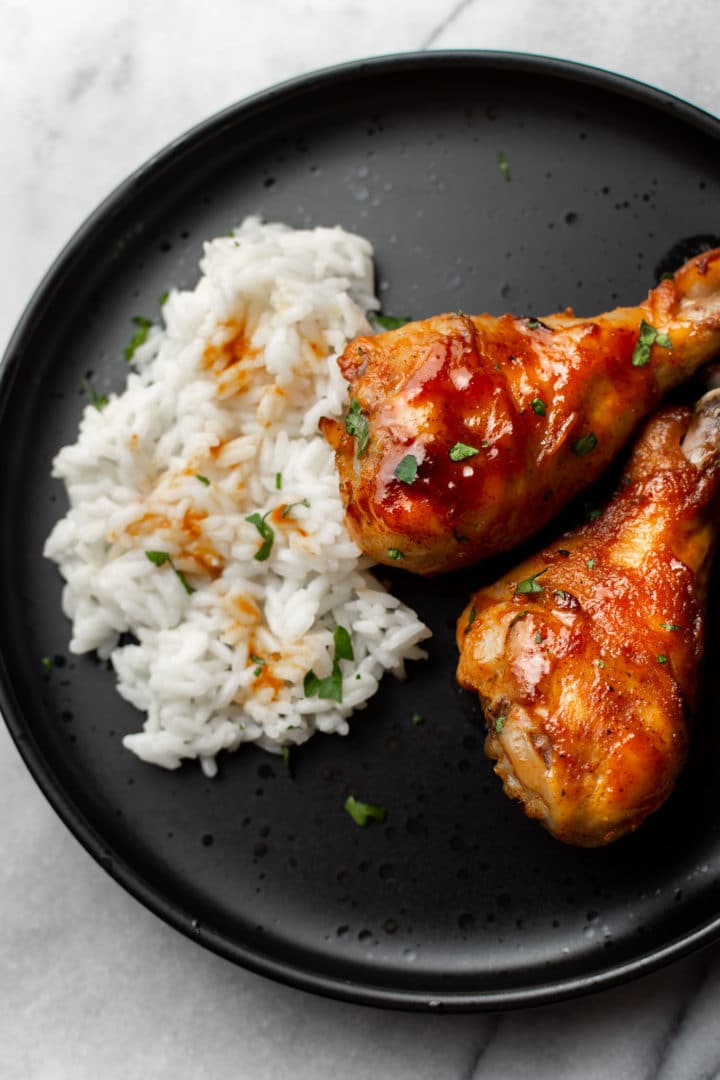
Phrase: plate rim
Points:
(131, 878)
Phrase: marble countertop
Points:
(93, 984)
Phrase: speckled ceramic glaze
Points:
(456, 901)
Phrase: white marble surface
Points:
(93, 985)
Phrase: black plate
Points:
(458, 901)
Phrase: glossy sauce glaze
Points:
(586, 656)
(505, 419)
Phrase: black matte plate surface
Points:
(457, 901)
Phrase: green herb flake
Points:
(286, 756)
(162, 299)
(395, 554)
(484, 444)
(662, 659)
(47, 664)
(356, 425)
(500, 723)
(182, 579)
(310, 683)
(362, 812)
(590, 563)
(601, 663)
(387, 322)
(670, 626)
(157, 558)
(503, 166)
(416, 719)
(343, 644)
(266, 532)
(139, 337)
(278, 481)
(286, 509)
(406, 470)
(534, 324)
(329, 688)
(538, 638)
(471, 618)
(98, 400)
(460, 451)
(203, 479)
(538, 406)
(530, 584)
(585, 444)
(258, 660)
(647, 337)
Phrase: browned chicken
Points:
(465, 435)
(586, 656)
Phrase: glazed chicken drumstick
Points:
(465, 435)
(586, 656)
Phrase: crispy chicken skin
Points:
(545, 405)
(588, 671)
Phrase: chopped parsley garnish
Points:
(139, 337)
(590, 563)
(162, 298)
(363, 812)
(331, 686)
(538, 406)
(648, 337)
(266, 532)
(460, 451)
(538, 638)
(601, 663)
(536, 324)
(286, 509)
(387, 322)
(670, 626)
(561, 594)
(47, 664)
(258, 660)
(484, 444)
(662, 659)
(503, 165)
(516, 618)
(471, 618)
(343, 644)
(278, 481)
(395, 554)
(416, 719)
(98, 400)
(286, 755)
(530, 584)
(500, 723)
(159, 558)
(203, 479)
(585, 444)
(406, 470)
(356, 424)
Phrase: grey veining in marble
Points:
(93, 985)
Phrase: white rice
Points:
(224, 664)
